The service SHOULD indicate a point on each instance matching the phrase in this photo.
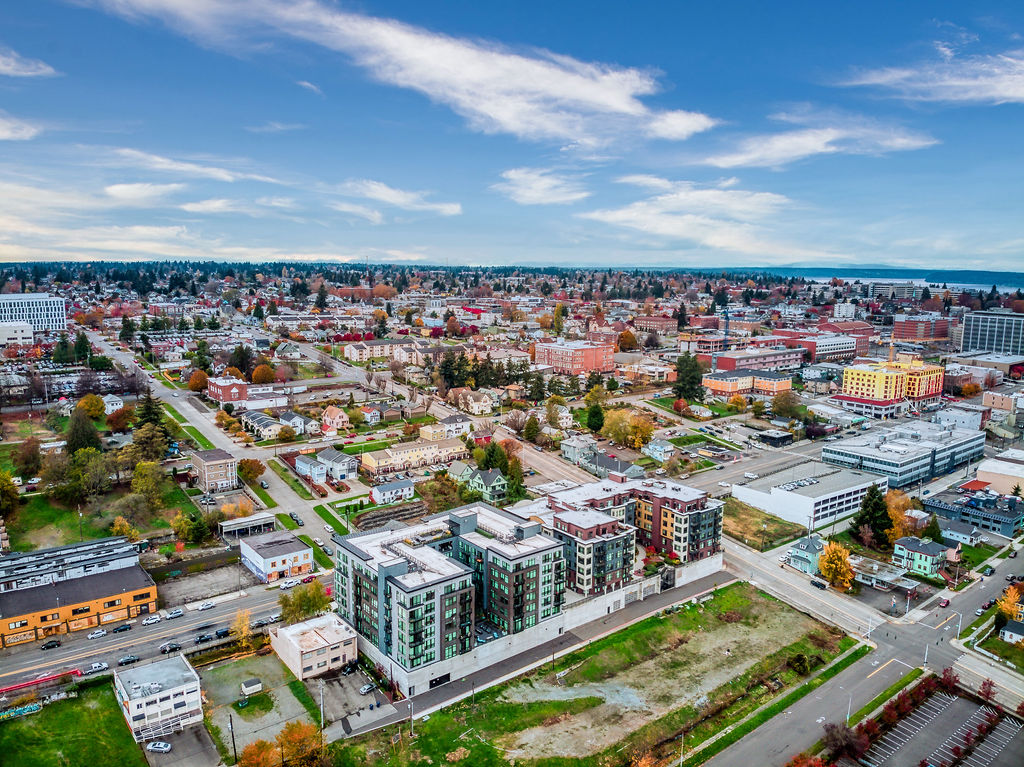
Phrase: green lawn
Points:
(197, 435)
(290, 479)
(287, 522)
(172, 411)
(325, 514)
(972, 556)
(1005, 650)
(753, 526)
(83, 732)
(263, 495)
(365, 447)
(322, 560)
(176, 499)
(26, 525)
(970, 628)
(6, 464)
(689, 439)
(255, 705)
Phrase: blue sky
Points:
(600, 133)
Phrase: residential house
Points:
(456, 425)
(583, 451)
(411, 411)
(275, 556)
(481, 437)
(112, 403)
(261, 425)
(334, 420)
(372, 415)
(433, 431)
(339, 465)
(412, 455)
(475, 403)
(575, 449)
(954, 532)
(1012, 632)
(490, 483)
(659, 449)
(288, 350)
(293, 419)
(215, 470)
(392, 492)
(804, 554)
(309, 466)
(919, 555)
(315, 646)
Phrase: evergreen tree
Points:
(689, 376)
(494, 458)
(595, 417)
(127, 333)
(148, 410)
(536, 390)
(62, 350)
(874, 513)
(257, 312)
(321, 297)
(81, 432)
(593, 379)
(932, 530)
(532, 429)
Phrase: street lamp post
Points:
(849, 704)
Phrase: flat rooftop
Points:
(385, 548)
(501, 525)
(822, 479)
(903, 441)
(322, 631)
(275, 544)
(666, 488)
(85, 589)
(165, 674)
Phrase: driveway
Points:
(192, 748)
(341, 695)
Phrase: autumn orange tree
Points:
(197, 381)
(263, 374)
(834, 564)
(898, 503)
(1008, 602)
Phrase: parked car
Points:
(127, 660)
(724, 484)
(159, 746)
(50, 644)
(328, 551)
(987, 570)
(289, 584)
(98, 633)
(819, 585)
(122, 628)
(367, 688)
(150, 620)
(328, 528)
(177, 612)
(943, 603)
(207, 606)
(202, 638)
(168, 647)
(96, 668)
(264, 484)
(299, 522)
(318, 541)
(980, 611)
(309, 579)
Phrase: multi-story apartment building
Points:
(599, 549)
(756, 359)
(993, 331)
(412, 455)
(215, 470)
(726, 383)
(244, 396)
(45, 313)
(885, 389)
(159, 698)
(417, 594)
(899, 291)
(908, 453)
(575, 357)
(655, 324)
(920, 328)
(364, 351)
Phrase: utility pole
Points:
(231, 727)
(412, 719)
(321, 713)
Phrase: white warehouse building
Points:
(810, 494)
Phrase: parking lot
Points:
(192, 748)
(882, 600)
(222, 580)
(342, 698)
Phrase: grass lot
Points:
(83, 732)
(689, 439)
(197, 435)
(664, 403)
(290, 479)
(670, 662)
(745, 523)
(287, 522)
(327, 516)
(258, 705)
(172, 411)
(440, 494)
(972, 556)
(6, 464)
(173, 500)
(364, 447)
(263, 495)
(984, 617)
(41, 522)
(1005, 650)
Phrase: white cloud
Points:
(215, 205)
(274, 127)
(141, 193)
(982, 79)
(276, 202)
(400, 198)
(646, 181)
(531, 94)
(309, 87)
(539, 186)
(824, 133)
(727, 220)
(14, 129)
(361, 211)
(13, 64)
(137, 159)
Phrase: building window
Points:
(112, 603)
(141, 597)
(17, 624)
(80, 610)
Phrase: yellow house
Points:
(432, 432)
(411, 455)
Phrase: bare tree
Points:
(397, 370)
(516, 421)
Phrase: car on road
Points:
(206, 606)
(943, 603)
(175, 394)
(987, 570)
(819, 585)
(273, 617)
(202, 638)
(50, 644)
(367, 688)
(1012, 554)
(987, 604)
(328, 528)
(289, 584)
(96, 634)
(150, 620)
(35, 480)
(168, 647)
(96, 668)
(159, 746)
(222, 632)
(259, 623)
(724, 484)
(299, 522)
(122, 628)
(127, 660)
(538, 448)
(264, 484)
(177, 612)
(328, 550)
(309, 579)
(318, 541)
(1011, 577)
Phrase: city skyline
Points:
(389, 132)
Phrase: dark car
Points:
(300, 523)
(127, 660)
(204, 638)
(988, 570)
(221, 633)
(122, 628)
(819, 585)
(50, 644)
(170, 647)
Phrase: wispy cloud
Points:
(274, 127)
(309, 87)
(981, 79)
(726, 220)
(16, 129)
(141, 194)
(540, 186)
(531, 94)
(360, 211)
(13, 64)
(821, 133)
(138, 159)
(399, 198)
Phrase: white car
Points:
(207, 606)
(318, 541)
(724, 484)
(97, 634)
(289, 584)
(328, 528)
(151, 620)
(35, 480)
(159, 746)
(96, 668)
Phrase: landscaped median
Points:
(321, 558)
(172, 411)
(325, 514)
(198, 436)
(291, 480)
(262, 494)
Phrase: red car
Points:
(943, 603)
(309, 579)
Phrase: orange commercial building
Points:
(575, 357)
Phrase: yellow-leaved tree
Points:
(898, 504)
(834, 564)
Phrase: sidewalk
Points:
(530, 659)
